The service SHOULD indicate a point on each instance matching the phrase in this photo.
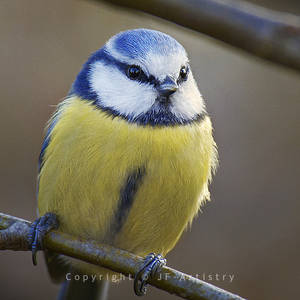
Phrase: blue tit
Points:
(128, 155)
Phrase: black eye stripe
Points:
(123, 67)
(183, 74)
(134, 72)
(142, 76)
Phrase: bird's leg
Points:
(38, 229)
(152, 263)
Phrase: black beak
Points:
(167, 87)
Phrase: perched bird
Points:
(128, 155)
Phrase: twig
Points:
(13, 236)
(265, 33)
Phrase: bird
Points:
(128, 155)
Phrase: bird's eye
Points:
(183, 73)
(134, 72)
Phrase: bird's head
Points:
(144, 77)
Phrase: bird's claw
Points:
(152, 263)
(38, 229)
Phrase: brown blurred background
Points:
(251, 227)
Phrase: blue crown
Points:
(137, 43)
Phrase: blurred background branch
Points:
(268, 34)
(13, 236)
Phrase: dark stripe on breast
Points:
(127, 194)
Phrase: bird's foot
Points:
(152, 263)
(38, 229)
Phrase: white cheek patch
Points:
(187, 102)
(115, 90)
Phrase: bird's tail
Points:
(78, 290)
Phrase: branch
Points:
(265, 33)
(13, 236)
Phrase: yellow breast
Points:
(88, 159)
